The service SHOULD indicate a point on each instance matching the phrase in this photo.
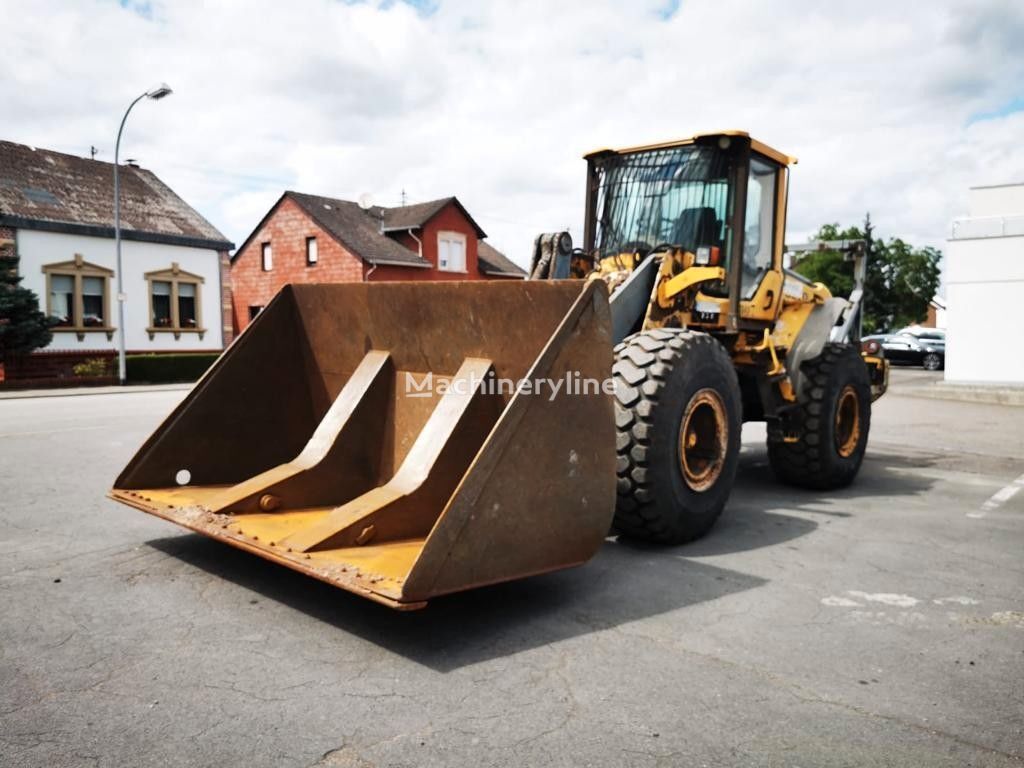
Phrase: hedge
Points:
(163, 369)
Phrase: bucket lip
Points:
(198, 520)
(592, 291)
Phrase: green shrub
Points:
(93, 367)
(164, 369)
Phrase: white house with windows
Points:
(57, 213)
(984, 275)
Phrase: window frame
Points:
(453, 237)
(311, 239)
(78, 269)
(266, 256)
(176, 276)
(773, 221)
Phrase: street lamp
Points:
(155, 93)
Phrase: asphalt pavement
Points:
(882, 625)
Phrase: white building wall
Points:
(984, 289)
(1000, 200)
(38, 249)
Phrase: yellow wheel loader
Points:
(712, 331)
(409, 440)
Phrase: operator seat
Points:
(695, 227)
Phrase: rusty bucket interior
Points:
(398, 440)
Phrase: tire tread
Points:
(643, 364)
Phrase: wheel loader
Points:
(408, 440)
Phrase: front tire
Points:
(932, 362)
(678, 413)
(828, 430)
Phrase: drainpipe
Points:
(419, 242)
(419, 250)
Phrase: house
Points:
(984, 272)
(57, 214)
(936, 317)
(312, 239)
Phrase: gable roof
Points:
(357, 229)
(364, 232)
(415, 216)
(494, 262)
(52, 191)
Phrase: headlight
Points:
(707, 256)
(870, 347)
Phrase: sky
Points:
(892, 107)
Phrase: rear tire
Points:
(831, 423)
(678, 414)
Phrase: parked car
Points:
(917, 346)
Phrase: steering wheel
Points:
(636, 246)
(662, 247)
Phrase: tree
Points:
(22, 326)
(901, 279)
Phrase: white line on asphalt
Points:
(52, 431)
(999, 498)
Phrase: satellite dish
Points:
(366, 201)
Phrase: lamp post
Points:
(155, 93)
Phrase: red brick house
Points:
(312, 239)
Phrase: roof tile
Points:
(494, 262)
(54, 189)
(359, 230)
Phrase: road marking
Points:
(958, 600)
(53, 431)
(998, 498)
(887, 598)
(839, 602)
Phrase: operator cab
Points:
(713, 200)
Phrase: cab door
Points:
(761, 281)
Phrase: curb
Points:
(1010, 396)
(26, 394)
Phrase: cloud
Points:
(891, 108)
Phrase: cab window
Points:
(759, 226)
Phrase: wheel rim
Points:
(703, 440)
(847, 429)
(931, 362)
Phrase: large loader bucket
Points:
(368, 435)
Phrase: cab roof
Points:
(757, 146)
